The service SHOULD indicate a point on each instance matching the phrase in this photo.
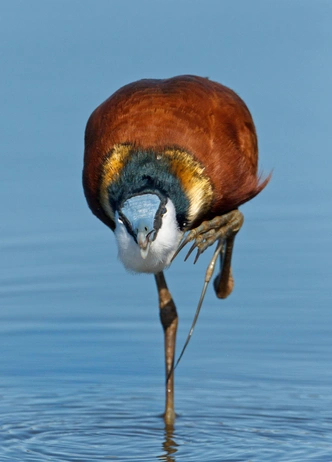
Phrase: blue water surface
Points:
(81, 363)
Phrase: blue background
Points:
(71, 315)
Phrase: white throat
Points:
(161, 249)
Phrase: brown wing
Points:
(195, 114)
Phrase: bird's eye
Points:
(163, 211)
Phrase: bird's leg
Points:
(224, 227)
(224, 282)
(169, 321)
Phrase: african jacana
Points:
(169, 157)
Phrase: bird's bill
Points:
(140, 213)
(143, 242)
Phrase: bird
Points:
(168, 162)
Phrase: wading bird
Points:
(167, 162)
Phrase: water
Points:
(87, 423)
(81, 363)
(82, 369)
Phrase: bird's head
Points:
(150, 198)
(147, 232)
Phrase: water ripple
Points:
(88, 425)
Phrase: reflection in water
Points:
(169, 445)
(243, 419)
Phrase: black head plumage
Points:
(149, 172)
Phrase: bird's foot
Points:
(208, 232)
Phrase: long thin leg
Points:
(224, 282)
(169, 321)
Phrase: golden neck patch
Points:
(195, 183)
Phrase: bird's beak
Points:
(144, 241)
(140, 212)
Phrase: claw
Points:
(192, 248)
(199, 252)
(208, 275)
(208, 232)
(183, 243)
(178, 250)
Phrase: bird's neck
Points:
(172, 172)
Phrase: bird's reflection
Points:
(169, 445)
